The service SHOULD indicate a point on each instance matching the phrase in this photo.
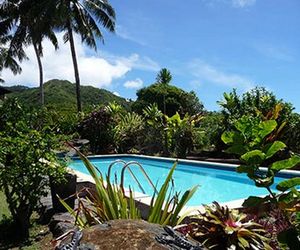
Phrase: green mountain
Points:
(61, 95)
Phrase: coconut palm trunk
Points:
(75, 65)
(38, 57)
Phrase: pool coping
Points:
(196, 162)
(145, 199)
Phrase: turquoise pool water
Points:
(217, 183)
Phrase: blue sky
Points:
(210, 46)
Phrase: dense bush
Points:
(154, 130)
(97, 128)
(180, 133)
(128, 132)
(258, 103)
(27, 160)
(207, 137)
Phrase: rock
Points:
(122, 234)
(61, 223)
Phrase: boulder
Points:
(122, 234)
(61, 223)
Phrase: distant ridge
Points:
(61, 95)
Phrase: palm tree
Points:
(164, 76)
(5, 60)
(28, 23)
(83, 17)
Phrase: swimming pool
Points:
(218, 182)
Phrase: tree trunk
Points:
(75, 65)
(22, 220)
(42, 98)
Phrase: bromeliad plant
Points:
(254, 140)
(110, 202)
(219, 227)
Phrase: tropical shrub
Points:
(111, 202)
(258, 102)
(180, 133)
(207, 136)
(26, 162)
(97, 128)
(154, 130)
(254, 103)
(127, 132)
(291, 134)
(255, 142)
(221, 228)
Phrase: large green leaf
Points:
(253, 201)
(289, 196)
(254, 157)
(286, 164)
(245, 169)
(287, 184)
(230, 137)
(267, 127)
(273, 148)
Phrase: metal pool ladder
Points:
(126, 166)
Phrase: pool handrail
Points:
(127, 166)
(131, 173)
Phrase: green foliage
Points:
(168, 98)
(256, 143)
(26, 159)
(220, 228)
(112, 202)
(180, 133)
(165, 209)
(291, 134)
(6, 60)
(61, 96)
(262, 104)
(128, 131)
(154, 130)
(164, 76)
(97, 128)
(257, 102)
(207, 136)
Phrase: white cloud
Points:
(135, 61)
(116, 93)
(204, 72)
(233, 3)
(134, 84)
(275, 52)
(123, 33)
(94, 69)
(243, 3)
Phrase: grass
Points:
(4, 211)
(40, 236)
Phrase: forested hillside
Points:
(60, 94)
